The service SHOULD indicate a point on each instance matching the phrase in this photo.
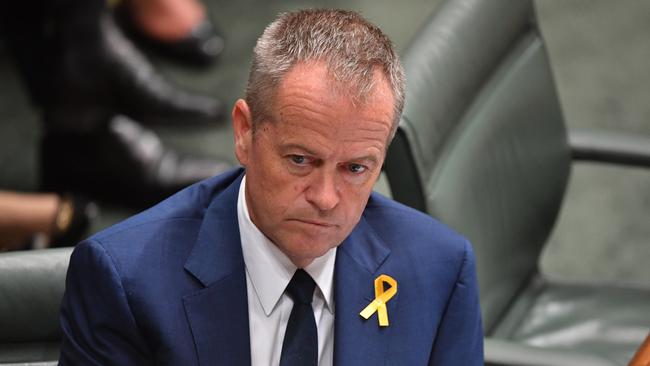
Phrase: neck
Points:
(301, 262)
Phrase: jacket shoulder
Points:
(409, 227)
(168, 230)
(186, 205)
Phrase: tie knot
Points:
(301, 287)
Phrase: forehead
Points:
(317, 75)
(310, 97)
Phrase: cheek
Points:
(290, 195)
(355, 203)
(283, 194)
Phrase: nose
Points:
(323, 192)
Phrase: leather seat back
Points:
(31, 289)
(483, 138)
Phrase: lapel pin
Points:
(381, 298)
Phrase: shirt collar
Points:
(270, 270)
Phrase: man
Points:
(277, 263)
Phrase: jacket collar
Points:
(218, 314)
(360, 259)
(217, 249)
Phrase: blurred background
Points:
(599, 51)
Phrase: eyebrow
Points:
(298, 147)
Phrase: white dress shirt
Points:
(268, 272)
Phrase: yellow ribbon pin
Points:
(381, 298)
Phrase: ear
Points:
(242, 122)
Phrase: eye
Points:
(356, 168)
(298, 159)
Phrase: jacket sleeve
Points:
(460, 335)
(97, 323)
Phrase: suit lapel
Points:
(360, 259)
(218, 314)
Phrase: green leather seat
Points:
(482, 146)
(31, 288)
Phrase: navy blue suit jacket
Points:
(168, 287)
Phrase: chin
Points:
(311, 252)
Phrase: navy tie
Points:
(300, 346)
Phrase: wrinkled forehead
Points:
(310, 94)
(359, 89)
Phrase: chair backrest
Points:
(482, 144)
(31, 289)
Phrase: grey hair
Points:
(352, 47)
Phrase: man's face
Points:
(311, 168)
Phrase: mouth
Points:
(322, 224)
